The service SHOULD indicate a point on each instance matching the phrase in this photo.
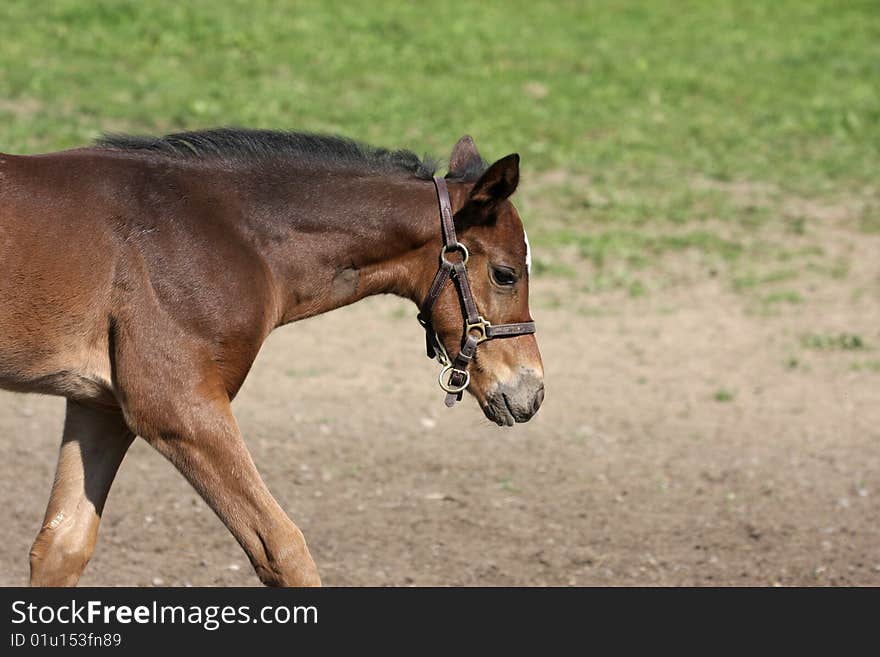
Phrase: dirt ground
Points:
(684, 440)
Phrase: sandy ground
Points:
(633, 473)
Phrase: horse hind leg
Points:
(92, 448)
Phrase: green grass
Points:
(782, 297)
(869, 222)
(866, 366)
(546, 267)
(723, 396)
(751, 279)
(636, 248)
(646, 128)
(507, 484)
(833, 342)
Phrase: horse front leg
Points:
(92, 447)
(196, 430)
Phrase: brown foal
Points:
(139, 278)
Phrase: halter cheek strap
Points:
(455, 377)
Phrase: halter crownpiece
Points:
(454, 377)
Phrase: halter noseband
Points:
(455, 377)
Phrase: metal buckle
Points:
(458, 246)
(481, 325)
(443, 380)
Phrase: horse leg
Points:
(198, 433)
(92, 447)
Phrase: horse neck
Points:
(346, 238)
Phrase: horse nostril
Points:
(539, 399)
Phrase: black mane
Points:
(240, 144)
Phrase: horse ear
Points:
(498, 183)
(465, 157)
(494, 186)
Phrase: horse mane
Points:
(246, 145)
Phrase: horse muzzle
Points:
(514, 401)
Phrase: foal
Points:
(139, 278)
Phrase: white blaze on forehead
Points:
(528, 253)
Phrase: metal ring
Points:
(458, 246)
(450, 388)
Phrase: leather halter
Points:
(454, 377)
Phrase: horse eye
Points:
(503, 275)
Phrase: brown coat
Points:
(140, 283)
